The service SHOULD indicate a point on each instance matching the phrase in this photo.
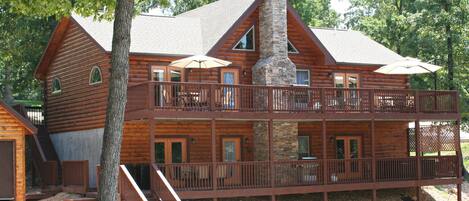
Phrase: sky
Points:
(340, 6)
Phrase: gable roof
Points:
(190, 33)
(353, 47)
(22, 120)
(203, 30)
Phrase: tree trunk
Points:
(449, 47)
(7, 88)
(110, 157)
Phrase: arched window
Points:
(95, 75)
(56, 86)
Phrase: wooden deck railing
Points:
(178, 96)
(161, 187)
(257, 174)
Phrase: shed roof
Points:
(22, 120)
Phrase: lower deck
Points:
(218, 159)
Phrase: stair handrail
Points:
(161, 187)
(128, 188)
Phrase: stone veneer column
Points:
(274, 68)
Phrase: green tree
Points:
(316, 13)
(123, 10)
(435, 31)
(22, 40)
(180, 6)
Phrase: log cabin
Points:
(299, 111)
(13, 131)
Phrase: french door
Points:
(350, 97)
(166, 94)
(231, 152)
(230, 93)
(171, 151)
(348, 148)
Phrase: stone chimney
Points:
(276, 69)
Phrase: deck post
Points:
(151, 128)
(373, 149)
(214, 154)
(459, 158)
(324, 151)
(374, 198)
(324, 196)
(271, 154)
(418, 193)
(417, 156)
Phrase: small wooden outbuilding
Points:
(13, 130)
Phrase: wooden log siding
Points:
(79, 106)
(12, 130)
(391, 138)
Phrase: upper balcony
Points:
(202, 100)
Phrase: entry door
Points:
(230, 93)
(349, 148)
(347, 99)
(231, 173)
(166, 94)
(170, 152)
(7, 171)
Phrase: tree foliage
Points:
(316, 13)
(180, 6)
(435, 31)
(22, 40)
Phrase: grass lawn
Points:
(465, 153)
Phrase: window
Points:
(56, 86)
(292, 48)
(346, 80)
(247, 41)
(303, 146)
(302, 77)
(95, 75)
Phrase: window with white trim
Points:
(247, 42)
(292, 48)
(56, 86)
(302, 77)
(95, 75)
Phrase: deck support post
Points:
(324, 151)
(418, 193)
(374, 197)
(325, 196)
(417, 156)
(373, 149)
(214, 154)
(459, 158)
(151, 128)
(270, 131)
(373, 156)
(273, 198)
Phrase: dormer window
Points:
(246, 43)
(95, 76)
(56, 86)
(291, 48)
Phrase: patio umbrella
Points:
(200, 61)
(409, 66)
